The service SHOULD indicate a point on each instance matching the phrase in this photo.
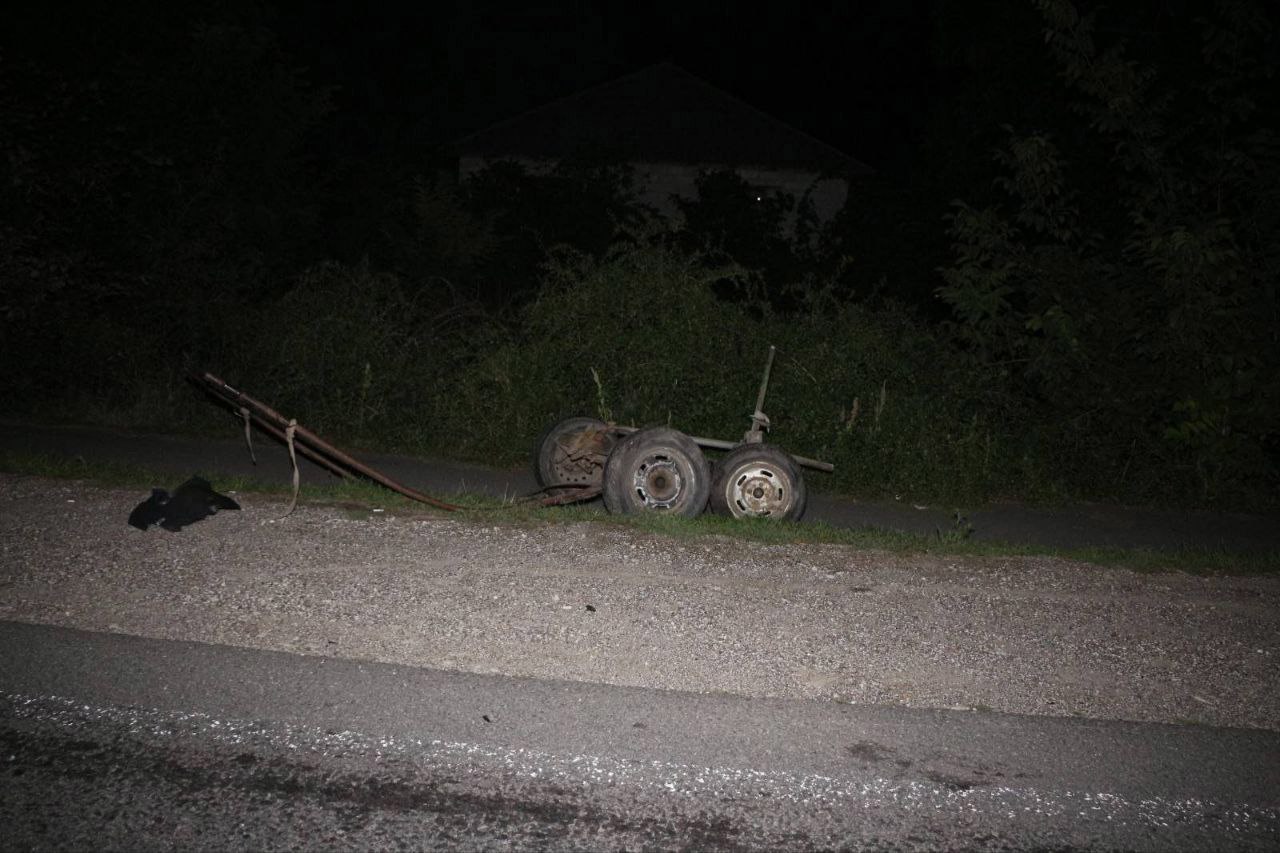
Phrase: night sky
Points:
(858, 78)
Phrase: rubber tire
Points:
(775, 466)
(640, 452)
(544, 451)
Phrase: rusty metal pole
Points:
(270, 415)
(313, 455)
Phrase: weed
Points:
(602, 408)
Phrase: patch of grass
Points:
(360, 497)
(77, 468)
(1197, 561)
(120, 474)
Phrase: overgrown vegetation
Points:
(1127, 282)
(1104, 326)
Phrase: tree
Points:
(583, 203)
(1145, 293)
(154, 166)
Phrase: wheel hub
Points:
(658, 482)
(758, 490)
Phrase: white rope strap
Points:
(293, 457)
(248, 434)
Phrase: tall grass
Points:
(871, 392)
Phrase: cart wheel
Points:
(657, 469)
(758, 481)
(573, 452)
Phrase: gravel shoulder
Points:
(596, 603)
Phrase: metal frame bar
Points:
(721, 444)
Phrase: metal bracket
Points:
(759, 420)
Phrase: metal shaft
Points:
(764, 384)
(265, 414)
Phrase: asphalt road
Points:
(1075, 526)
(118, 742)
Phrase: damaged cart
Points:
(634, 470)
(664, 470)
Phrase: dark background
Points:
(862, 78)
(1062, 273)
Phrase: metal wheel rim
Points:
(569, 470)
(760, 490)
(658, 481)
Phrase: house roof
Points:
(661, 113)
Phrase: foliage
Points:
(152, 176)
(645, 320)
(1144, 296)
(644, 329)
(584, 204)
(739, 221)
(360, 353)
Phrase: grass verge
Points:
(363, 494)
